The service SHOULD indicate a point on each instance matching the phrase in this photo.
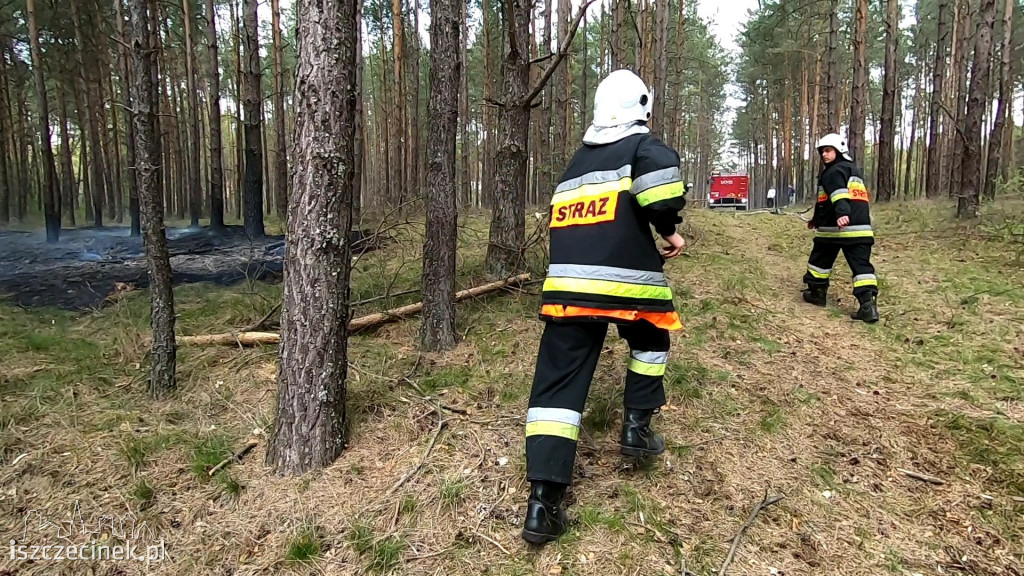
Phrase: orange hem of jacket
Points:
(663, 320)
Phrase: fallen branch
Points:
(923, 477)
(764, 503)
(236, 456)
(355, 325)
(441, 423)
(259, 324)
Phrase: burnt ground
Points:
(89, 264)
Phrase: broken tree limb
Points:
(923, 477)
(236, 456)
(355, 325)
(563, 50)
(764, 503)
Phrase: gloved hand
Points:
(811, 224)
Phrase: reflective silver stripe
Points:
(857, 228)
(554, 415)
(863, 277)
(607, 273)
(838, 193)
(656, 178)
(856, 179)
(597, 177)
(650, 357)
(819, 270)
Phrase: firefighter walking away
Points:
(842, 221)
(606, 268)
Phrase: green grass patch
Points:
(209, 451)
(594, 516)
(773, 421)
(600, 413)
(305, 545)
(143, 493)
(380, 554)
(824, 474)
(996, 443)
(453, 492)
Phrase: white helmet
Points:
(622, 98)
(835, 141)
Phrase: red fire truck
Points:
(728, 191)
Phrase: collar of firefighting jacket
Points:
(607, 134)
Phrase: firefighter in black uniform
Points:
(605, 268)
(842, 221)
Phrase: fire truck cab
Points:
(728, 191)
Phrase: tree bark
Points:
(123, 58)
(437, 332)
(464, 119)
(398, 124)
(216, 140)
(86, 63)
(51, 199)
(959, 132)
(968, 202)
(359, 151)
(996, 156)
(6, 132)
(832, 84)
(310, 425)
(281, 159)
(858, 99)
(886, 154)
(252, 97)
(239, 183)
(933, 185)
(67, 163)
(163, 355)
(192, 176)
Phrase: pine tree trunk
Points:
(886, 160)
(464, 119)
(545, 157)
(559, 96)
(832, 91)
(913, 138)
(858, 100)
(996, 155)
(157, 88)
(163, 355)
(933, 185)
(310, 424)
(192, 178)
(437, 331)
(252, 97)
(398, 124)
(417, 173)
(969, 201)
(507, 230)
(359, 149)
(91, 113)
(6, 143)
(959, 133)
(660, 69)
(239, 123)
(216, 140)
(50, 194)
(67, 162)
(281, 159)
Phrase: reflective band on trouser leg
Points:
(647, 363)
(553, 422)
(865, 280)
(820, 273)
(607, 288)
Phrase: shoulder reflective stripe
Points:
(562, 415)
(606, 288)
(587, 190)
(595, 177)
(547, 428)
(659, 193)
(649, 357)
(865, 280)
(645, 368)
(656, 178)
(841, 194)
(607, 273)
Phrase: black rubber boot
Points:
(546, 520)
(816, 295)
(868, 311)
(638, 439)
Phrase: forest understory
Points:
(898, 447)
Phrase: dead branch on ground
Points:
(764, 503)
(236, 456)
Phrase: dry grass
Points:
(765, 394)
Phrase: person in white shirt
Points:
(771, 198)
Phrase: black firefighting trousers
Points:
(858, 257)
(566, 362)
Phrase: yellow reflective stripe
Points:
(868, 282)
(659, 193)
(848, 234)
(840, 196)
(645, 368)
(816, 274)
(607, 288)
(549, 428)
(592, 189)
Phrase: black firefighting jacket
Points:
(603, 254)
(842, 192)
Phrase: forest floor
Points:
(767, 395)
